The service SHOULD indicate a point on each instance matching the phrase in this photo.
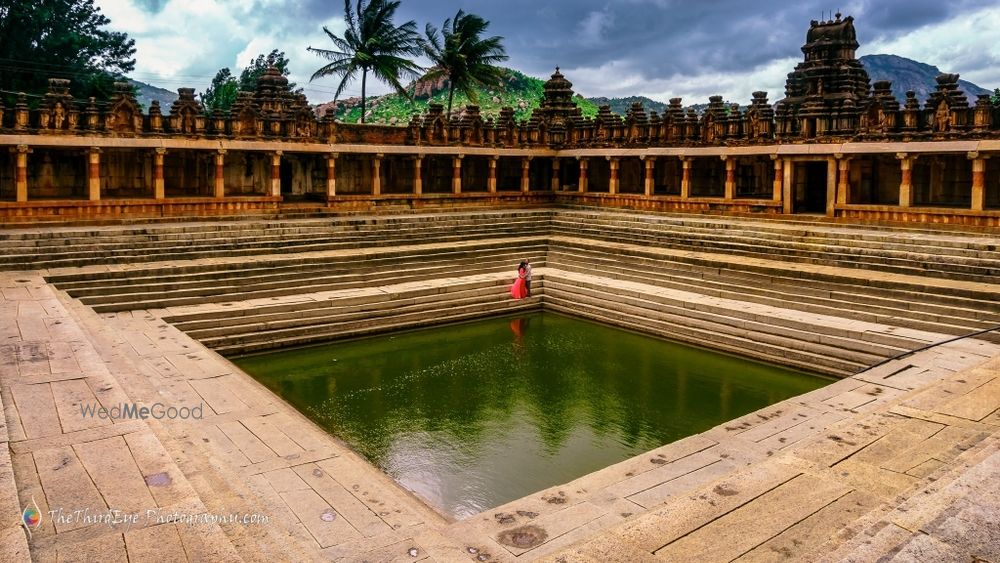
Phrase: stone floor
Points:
(899, 463)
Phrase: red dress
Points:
(518, 291)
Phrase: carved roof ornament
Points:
(58, 112)
(187, 115)
(124, 114)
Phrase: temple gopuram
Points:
(835, 145)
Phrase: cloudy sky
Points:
(656, 48)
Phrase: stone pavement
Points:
(898, 462)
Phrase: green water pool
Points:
(474, 415)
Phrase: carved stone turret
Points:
(947, 107)
(57, 113)
(124, 114)
(826, 91)
(187, 116)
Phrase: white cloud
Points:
(619, 78)
(966, 44)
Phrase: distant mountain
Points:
(622, 105)
(907, 74)
(146, 93)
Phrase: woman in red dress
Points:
(518, 290)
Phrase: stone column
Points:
(906, 183)
(525, 174)
(583, 175)
(555, 184)
(418, 175)
(685, 177)
(779, 176)
(831, 185)
(978, 181)
(331, 175)
(730, 178)
(613, 176)
(94, 174)
(456, 175)
(377, 175)
(159, 185)
(275, 188)
(788, 187)
(491, 181)
(220, 183)
(21, 171)
(649, 180)
(843, 178)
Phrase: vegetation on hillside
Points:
(518, 91)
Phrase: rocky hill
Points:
(146, 93)
(519, 91)
(622, 105)
(907, 74)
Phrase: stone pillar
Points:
(275, 188)
(491, 181)
(649, 180)
(978, 181)
(331, 175)
(220, 184)
(730, 178)
(21, 171)
(94, 174)
(456, 175)
(831, 185)
(555, 184)
(843, 178)
(906, 183)
(685, 177)
(159, 186)
(377, 175)
(525, 174)
(418, 175)
(787, 188)
(583, 175)
(613, 176)
(779, 176)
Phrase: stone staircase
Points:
(926, 252)
(69, 247)
(757, 287)
(274, 276)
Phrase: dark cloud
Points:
(658, 39)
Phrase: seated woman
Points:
(518, 290)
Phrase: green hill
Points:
(519, 91)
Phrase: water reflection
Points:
(474, 415)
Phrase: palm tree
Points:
(371, 43)
(463, 56)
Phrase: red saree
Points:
(518, 291)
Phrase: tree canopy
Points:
(463, 56)
(42, 39)
(371, 43)
(221, 94)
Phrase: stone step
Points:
(897, 262)
(262, 276)
(814, 293)
(747, 347)
(502, 305)
(266, 326)
(810, 328)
